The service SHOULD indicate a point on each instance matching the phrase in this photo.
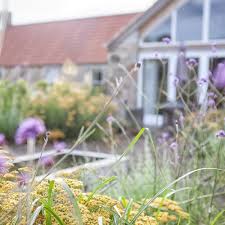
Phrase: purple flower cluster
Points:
(2, 139)
(59, 146)
(191, 63)
(29, 128)
(4, 168)
(47, 161)
(166, 40)
(23, 179)
(220, 134)
(218, 76)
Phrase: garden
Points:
(174, 175)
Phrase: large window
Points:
(155, 81)
(217, 17)
(160, 32)
(189, 21)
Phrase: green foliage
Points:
(13, 106)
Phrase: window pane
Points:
(189, 21)
(153, 78)
(217, 30)
(160, 32)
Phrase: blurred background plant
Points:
(64, 107)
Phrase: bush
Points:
(13, 106)
(68, 108)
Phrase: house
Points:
(158, 38)
(73, 48)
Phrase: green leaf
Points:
(50, 211)
(217, 217)
(100, 186)
(76, 211)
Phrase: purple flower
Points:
(4, 168)
(110, 119)
(176, 81)
(47, 161)
(166, 40)
(23, 179)
(220, 134)
(174, 146)
(218, 77)
(59, 146)
(212, 95)
(191, 63)
(214, 47)
(165, 135)
(2, 139)
(202, 81)
(29, 128)
(211, 103)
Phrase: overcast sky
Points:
(30, 11)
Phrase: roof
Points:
(138, 22)
(81, 40)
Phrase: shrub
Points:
(13, 106)
(68, 108)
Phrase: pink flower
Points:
(174, 146)
(29, 128)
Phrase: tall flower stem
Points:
(215, 181)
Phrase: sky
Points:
(32, 11)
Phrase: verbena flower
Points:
(211, 103)
(191, 63)
(202, 81)
(59, 146)
(220, 134)
(110, 119)
(218, 76)
(166, 40)
(4, 168)
(174, 146)
(2, 139)
(23, 179)
(47, 161)
(29, 128)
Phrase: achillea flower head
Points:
(2, 139)
(29, 128)
(191, 63)
(166, 40)
(220, 134)
(47, 161)
(59, 146)
(4, 168)
(23, 179)
(218, 76)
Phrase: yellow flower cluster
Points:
(171, 211)
(91, 208)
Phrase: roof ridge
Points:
(76, 19)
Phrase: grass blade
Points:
(35, 215)
(50, 211)
(100, 186)
(217, 217)
(76, 211)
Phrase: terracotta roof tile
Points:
(81, 40)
